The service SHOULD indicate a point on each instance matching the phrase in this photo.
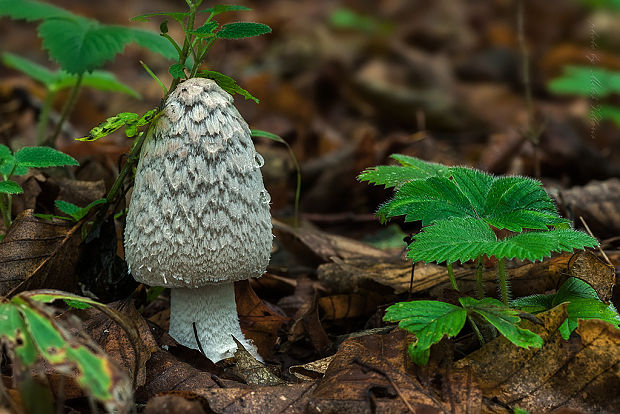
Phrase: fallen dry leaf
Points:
(259, 322)
(39, 253)
(370, 373)
(312, 370)
(581, 373)
(165, 404)
(592, 270)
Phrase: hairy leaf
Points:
(10, 187)
(428, 320)
(176, 70)
(410, 169)
(205, 30)
(505, 319)
(42, 157)
(179, 17)
(227, 83)
(242, 30)
(463, 239)
(77, 213)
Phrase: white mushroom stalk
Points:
(199, 217)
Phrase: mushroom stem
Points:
(213, 309)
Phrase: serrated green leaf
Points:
(428, 320)
(534, 303)
(394, 176)
(31, 10)
(222, 8)
(242, 30)
(42, 157)
(176, 70)
(579, 308)
(10, 187)
(505, 319)
(227, 83)
(5, 153)
(452, 240)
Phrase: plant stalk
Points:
(44, 116)
(474, 326)
(503, 281)
(452, 279)
(186, 43)
(6, 215)
(479, 282)
(67, 108)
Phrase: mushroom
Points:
(199, 216)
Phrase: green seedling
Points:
(80, 46)
(462, 211)
(16, 164)
(32, 336)
(74, 213)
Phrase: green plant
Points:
(18, 164)
(32, 335)
(462, 211)
(79, 45)
(74, 213)
(191, 53)
(55, 81)
(592, 82)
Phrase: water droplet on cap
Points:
(265, 198)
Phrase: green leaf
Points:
(259, 133)
(81, 45)
(586, 81)
(505, 319)
(428, 320)
(579, 308)
(31, 10)
(534, 303)
(457, 239)
(179, 17)
(77, 304)
(395, 176)
(610, 112)
(42, 157)
(10, 187)
(242, 30)
(223, 8)
(463, 239)
(227, 83)
(116, 122)
(34, 70)
(206, 29)
(101, 80)
(177, 71)
(77, 213)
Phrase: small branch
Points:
(198, 340)
(66, 110)
(479, 282)
(503, 281)
(600, 249)
(451, 275)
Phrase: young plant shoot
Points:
(462, 211)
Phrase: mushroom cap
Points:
(199, 212)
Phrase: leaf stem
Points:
(474, 326)
(186, 42)
(44, 116)
(3, 210)
(503, 281)
(451, 275)
(479, 282)
(66, 109)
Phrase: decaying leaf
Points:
(592, 270)
(250, 371)
(581, 373)
(259, 322)
(165, 404)
(316, 246)
(39, 253)
(312, 370)
(370, 373)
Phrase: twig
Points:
(198, 340)
(592, 235)
(391, 381)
